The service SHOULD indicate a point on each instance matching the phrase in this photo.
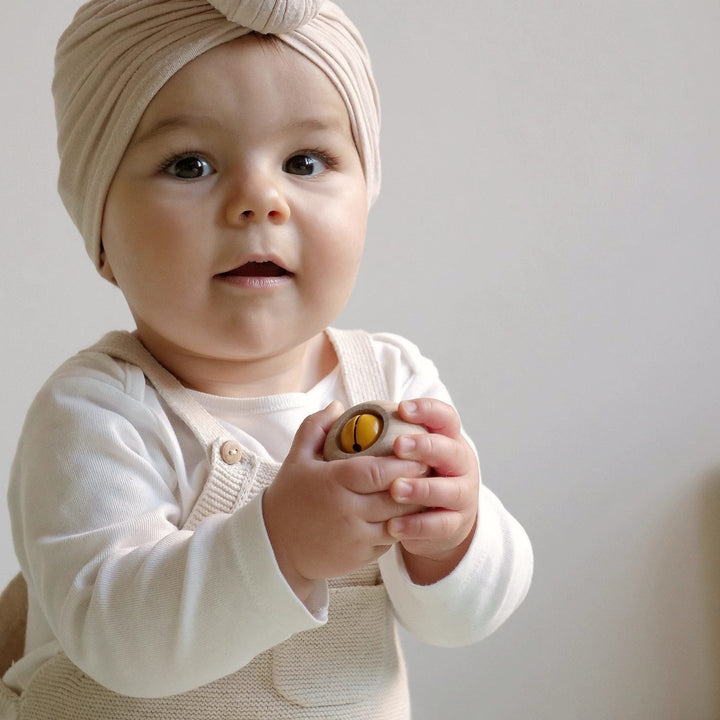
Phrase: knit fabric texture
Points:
(351, 668)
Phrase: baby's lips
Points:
(266, 268)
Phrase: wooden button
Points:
(231, 452)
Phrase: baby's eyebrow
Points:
(171, 123)
(331, 122)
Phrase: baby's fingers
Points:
(367, 475)
(310, 436)
(435, 415)
(434, 492)
(447, 456)
(437, 529)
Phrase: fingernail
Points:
(410, 407)
(395, 527)
(402, 490)
(406, 444)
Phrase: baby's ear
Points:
(104, 269)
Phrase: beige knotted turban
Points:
(117, 54)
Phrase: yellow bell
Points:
(360, 432)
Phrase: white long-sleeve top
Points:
(104, 478)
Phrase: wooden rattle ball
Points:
(367, 429)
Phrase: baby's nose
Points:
(256, 199)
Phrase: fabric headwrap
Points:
(117, 54)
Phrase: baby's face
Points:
(236, 220)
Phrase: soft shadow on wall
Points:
(710, 547)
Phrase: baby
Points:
(188, 552)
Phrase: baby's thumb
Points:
(310, 437)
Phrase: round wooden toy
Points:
(367, 429)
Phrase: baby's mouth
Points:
(266, 269)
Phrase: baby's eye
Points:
(307, 164)
(189, 167)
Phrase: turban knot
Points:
(268, 16)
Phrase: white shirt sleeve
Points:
(143, 607)
(494, 576)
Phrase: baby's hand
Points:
(435, 540)
(325, 519)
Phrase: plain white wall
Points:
(548, 232)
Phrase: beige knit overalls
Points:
(349, 669)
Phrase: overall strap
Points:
(128, 347)
(236, 474)
(361, 373)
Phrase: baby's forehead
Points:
(243, 81)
